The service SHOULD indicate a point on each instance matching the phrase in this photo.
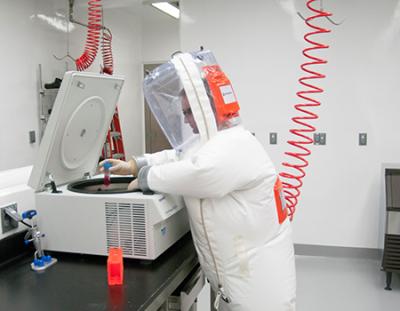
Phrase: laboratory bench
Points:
(79, 282)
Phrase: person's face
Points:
(187, 112)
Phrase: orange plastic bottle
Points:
(115, 267)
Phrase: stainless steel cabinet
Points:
(391, 252)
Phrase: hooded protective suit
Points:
(227, 181)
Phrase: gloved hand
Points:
(133, 185)
(120, 167)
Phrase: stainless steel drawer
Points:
(186, 299)
(393, 223)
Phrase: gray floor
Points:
(338, 284)
(332, 284)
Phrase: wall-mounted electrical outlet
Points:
(319, 138)
(7, 223)
(32, 137)
(273, 138)
(362, 139)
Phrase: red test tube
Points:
(107, 179)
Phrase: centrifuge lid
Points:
(77, 128)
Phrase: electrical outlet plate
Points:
(273, 138)
(362, 139)
(32, 137)
(319, 138)
(7, 223)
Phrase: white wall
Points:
(259, 45)
(160, 35)
(26, 42)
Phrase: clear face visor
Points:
(191, 98)
(167, 101)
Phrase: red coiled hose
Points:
(93, 35)
(108, 62)
(292, 178)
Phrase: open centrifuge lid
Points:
(77, 128)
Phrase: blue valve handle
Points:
(29, 214)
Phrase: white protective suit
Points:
(227, 181)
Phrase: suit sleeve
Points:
(212, 173)
(157, 158)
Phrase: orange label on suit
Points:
(225, 101)
(280, 201)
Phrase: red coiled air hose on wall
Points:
(108, 62)
(292, 178)
(93, 35)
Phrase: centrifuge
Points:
(77, 212)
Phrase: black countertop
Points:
(79, 282)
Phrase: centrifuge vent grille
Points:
(126, 228)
